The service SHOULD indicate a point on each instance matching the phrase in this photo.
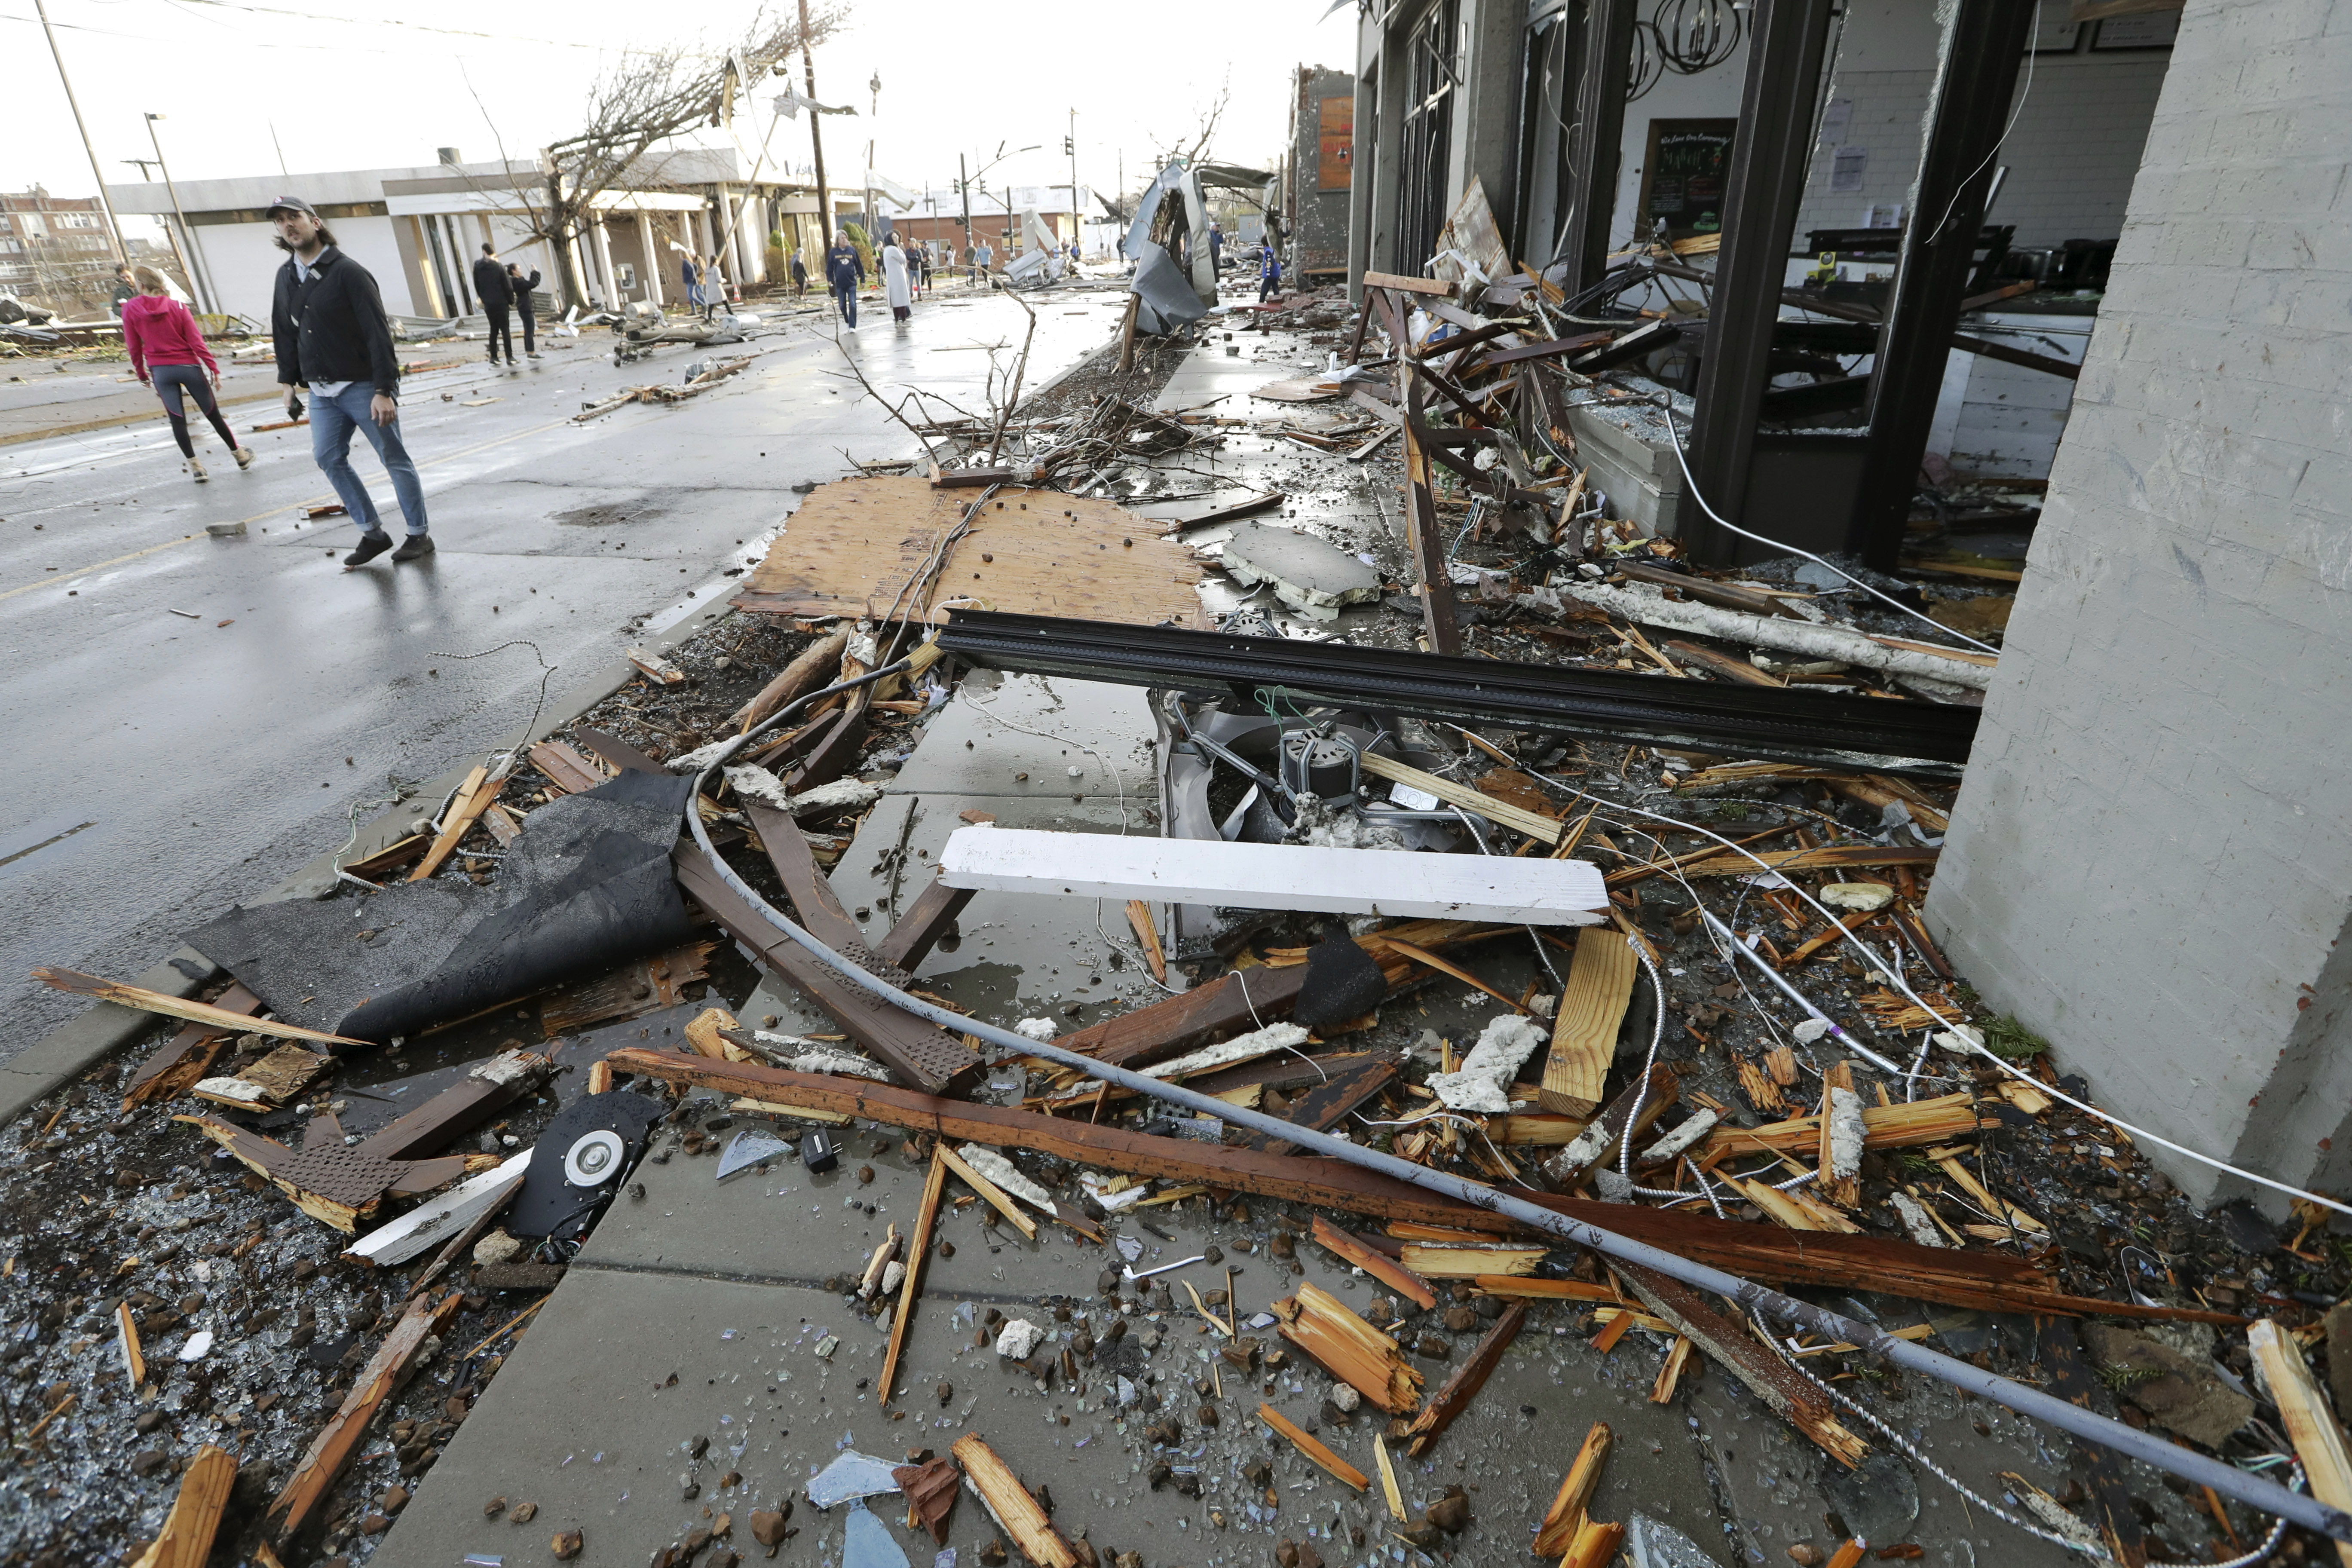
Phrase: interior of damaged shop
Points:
(1364, 931)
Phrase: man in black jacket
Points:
(521, 288)
(327, 323)
(497, 295)
(844, 269)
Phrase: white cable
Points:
(2137, 1133)
(1993, 151)
(1690, 480)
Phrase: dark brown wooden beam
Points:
(931, 916)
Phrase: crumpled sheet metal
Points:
(587, 886)
(1165, 297)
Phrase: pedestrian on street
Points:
(714, 288)
(895, 285)
(327, 319)
(800, 276)
(923, 261)
(843, 273)
(522, 287)
(689, 272)
(168, 353)
(497, 295)
(987, 261)
(971, 263)
(126, 288)
(1216, 248)
(1269, 274)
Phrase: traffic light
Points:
(1067, 150)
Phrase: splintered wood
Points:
(1314, 1450)
(1584, 1033)
(1349, 1348)
(186, 1539)
(1010, 1505)
(1452, 1399)
(1566, 1512)
(855, 544)
(332, 1449)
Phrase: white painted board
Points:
(436, 1219)
(1528, 891)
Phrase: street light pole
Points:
(207, 295)
(963, 188)
(1070, 145)
(113, 228)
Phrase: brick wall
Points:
(2151, 859)
(2071, 154)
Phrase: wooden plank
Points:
(1331, 1100)
(618, 753)
(74, 982)
(1845, 1192)
(1830, 857)
(1575, 1494)
(1468, 1378)
(1533, 891)
(1550, 348)
(1176, 1023)
(1440, 1262)
(1706, 589)
(855, 544)
(1432, 578)
(931, 916)
(920, 1053)
(1584, 1029)
(565, 768)
(1519, 820)
(186, 1538)
(1402, 284)
(1543, 1290)
(182, 1059)
(910, 1289)
(126, 1339)
(473, 797)
(2303, 1411)
(997, 1196)
(1147, 936)
(1899, 1126)
(813, 667)
(315, 1473)
(1733, 670)
(1979, 1279)
(805, 881)
(487, 1088)
(1248, 506)
(1389, 1490)
(1012, 1506)
(1372, 1262)
(1314, 1450)
(1729, 1341)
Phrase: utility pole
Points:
(817, 136)
(963, 188)
(872, 218)
(206, 295)
(1070, 145)
(113, 228)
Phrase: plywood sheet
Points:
(856, 543)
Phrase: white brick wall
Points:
(2151, 859)
(2071, 156)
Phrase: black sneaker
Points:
(370, 546)
(415, 547)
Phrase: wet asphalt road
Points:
(165, 765)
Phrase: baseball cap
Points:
(289, 204)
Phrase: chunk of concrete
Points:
(2189, 1398)
(1310, 574)
(1493, 1062)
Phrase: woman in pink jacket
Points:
(163, 340)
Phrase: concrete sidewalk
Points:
(701, 1312)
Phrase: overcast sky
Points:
(346, 91)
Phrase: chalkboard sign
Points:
(1685, 178)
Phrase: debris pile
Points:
(1623, 935)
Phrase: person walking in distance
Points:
(326, 321)
(169, 353)
(520, 287)
(689, 272)
(800, 276)
(497, 295)
(126, 288)
(895, 284)
(1269, 273)
(843, 273)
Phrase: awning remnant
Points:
(1784, 724)
(1531, 890)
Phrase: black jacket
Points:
(521, 288)
(332, 328)
(490, 285)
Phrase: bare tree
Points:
(646, 101)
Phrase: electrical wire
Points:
(1690, 480)
(1746, 1295)
(2137, 1133)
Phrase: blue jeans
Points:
(333, 420)
(845, 294)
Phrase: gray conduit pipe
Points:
(2228, 1479)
